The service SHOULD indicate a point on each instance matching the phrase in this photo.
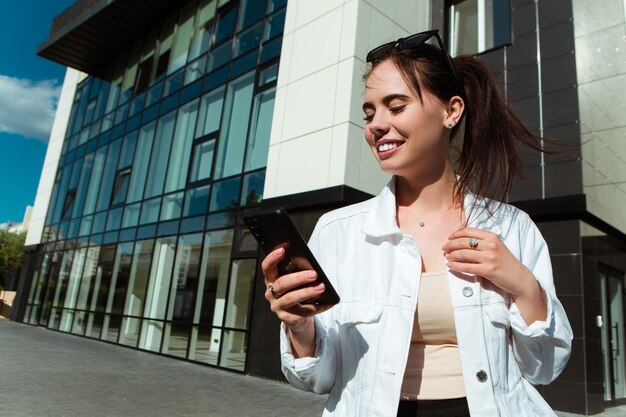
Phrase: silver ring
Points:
(275, 295)
(473, 243)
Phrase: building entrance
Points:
(612, 333)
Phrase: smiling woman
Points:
(448, 303)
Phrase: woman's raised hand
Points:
(478, 252)
(286, 295)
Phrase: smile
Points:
(387, 148)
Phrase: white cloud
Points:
(27, 107)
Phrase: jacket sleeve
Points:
(316, 374)
(542, 348)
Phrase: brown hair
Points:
(492, 130)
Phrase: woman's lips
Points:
(386, 149)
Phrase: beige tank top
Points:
(433, 369)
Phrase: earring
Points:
(450, 125)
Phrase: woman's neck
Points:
(427, 195)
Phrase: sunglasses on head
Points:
(411, 42)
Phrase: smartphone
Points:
(274, 229)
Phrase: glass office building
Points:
(143, 243)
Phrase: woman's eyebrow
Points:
(386, 100)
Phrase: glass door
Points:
(612, 333)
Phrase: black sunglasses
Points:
(411, 42)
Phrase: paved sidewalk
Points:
(50, 374)
(44, 373)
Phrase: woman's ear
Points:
(453, 112)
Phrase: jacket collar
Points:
(381, 219)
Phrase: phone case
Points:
(273, 229)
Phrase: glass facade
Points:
(143, 244)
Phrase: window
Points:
(142, 82)
(476, 26)
(232, 142)
(259, 139)
(121, 187)
(68, 206)
(202, 161)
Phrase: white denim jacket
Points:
(363, 342)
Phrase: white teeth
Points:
(387, 146)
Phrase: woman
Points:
(448, 304)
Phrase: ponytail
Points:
(492, 134)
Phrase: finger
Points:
(288, 282)
(467, 255)
(269, 265)
(293, 298)
(466, 267)
(468, 232)
(464, 243)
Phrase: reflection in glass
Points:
(140, 163)
(160, 277)
(202, 37)
(239, 293)
(160, 154)
(248, 40)
(250, 11)
(225, 25)
(81, 191)
(114, 219)
(212, 287)
(108, 176)
(121, 276)
(72, 289)
(181, 147)
(150, 211)
(110, 328)
(234, 129)
(102, 281)
(131, 215)
(129, 332)
(225, 194)
(252, 192)
(233, 350)
(186, 274)
(258, 144)
(151, 334)
(274, 25)
(210, 112)
(94, 325)
(196, 201)
(64, 273)
(79, 325)
(89, 273)
(204, 345)
(172, 206)
(138, 281)
(202, 161)
(195, 70)
(175, 340)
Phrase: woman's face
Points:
(408, 136)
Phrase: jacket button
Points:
(468, 291)
(481, 376)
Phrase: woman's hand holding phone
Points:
(286, 295)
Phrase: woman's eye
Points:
(397, 109)
(368, 117)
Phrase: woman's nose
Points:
(378, 126)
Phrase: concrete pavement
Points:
(45, 373)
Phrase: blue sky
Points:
(29, 88)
